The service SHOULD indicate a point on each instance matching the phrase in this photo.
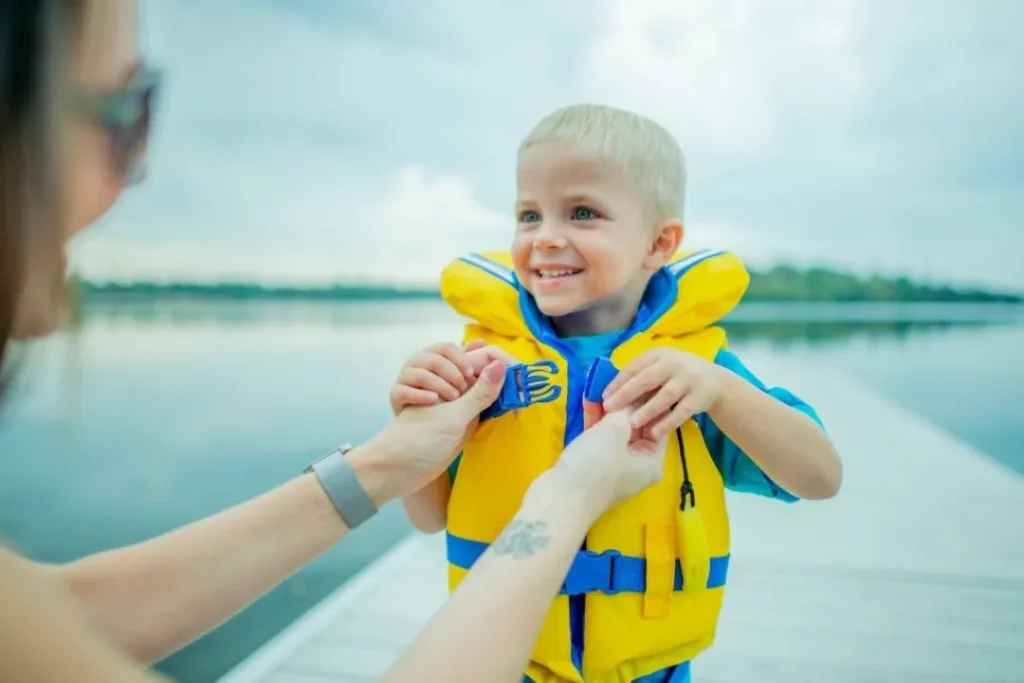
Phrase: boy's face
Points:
(583, 238)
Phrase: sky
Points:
(341, 140)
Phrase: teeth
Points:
(556, 273)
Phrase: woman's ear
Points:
(667, 239)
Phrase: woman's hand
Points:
(442, 372)
(423, 440)
(520, 573)
(609, 462)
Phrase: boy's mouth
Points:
(551, 274)
(548, 279)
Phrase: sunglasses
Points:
(125, 115)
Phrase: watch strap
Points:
(339, 481)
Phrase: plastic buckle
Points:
(515, 393)
(600, 375)
(525, 384)
(591, 572)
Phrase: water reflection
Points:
(780, 324)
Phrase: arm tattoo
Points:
(521, 539)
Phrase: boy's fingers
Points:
(639, 364)
(419, 378)
(473, 345)
(483, 356)
(459, 361)
(445, 368)
(404, 396)
(632, 389)
(662, 401)
(624, 376)
(675, 419)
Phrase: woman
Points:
(75, 101)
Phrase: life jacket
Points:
(645, 592)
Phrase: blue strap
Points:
(602, 372)
(609, 572)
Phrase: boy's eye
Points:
(529, 216)
(583, 213)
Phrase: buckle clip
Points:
(525, 384)
(591, 572)
(600, 375)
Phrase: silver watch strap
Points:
(343, 488)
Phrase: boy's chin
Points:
(557, 307)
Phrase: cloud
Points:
(405, 232)
(323, 138)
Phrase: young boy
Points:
(601, 313)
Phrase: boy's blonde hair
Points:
(648, 152)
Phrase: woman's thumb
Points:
(483, 392)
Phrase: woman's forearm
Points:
(44, 637)
(157, 596)
(486, 630)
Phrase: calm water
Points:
(154, 416)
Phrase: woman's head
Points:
(74, 117)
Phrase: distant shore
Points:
(780, 284)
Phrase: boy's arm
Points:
(768, 441)
(427, 508)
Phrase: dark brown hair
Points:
(35, 39)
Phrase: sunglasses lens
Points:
(131, 139)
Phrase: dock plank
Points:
(914, 573)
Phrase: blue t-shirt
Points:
(739, 471)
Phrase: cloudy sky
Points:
(341, 139)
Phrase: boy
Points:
(601, 313)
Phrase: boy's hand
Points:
(668, 386)
(442, 372)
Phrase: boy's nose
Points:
(548, 237)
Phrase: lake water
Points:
(152, 416)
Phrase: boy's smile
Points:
(584, 245)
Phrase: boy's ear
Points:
(667, 239)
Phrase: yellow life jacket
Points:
(646, 591)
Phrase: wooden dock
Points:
(913, 574)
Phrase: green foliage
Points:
(785, 283)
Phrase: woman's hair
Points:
(35, 39)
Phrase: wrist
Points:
(551, 492)
(724, 382)
(373, 465)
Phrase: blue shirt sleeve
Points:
(739, 471)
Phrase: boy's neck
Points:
(607, 316)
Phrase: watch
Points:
(339, 481)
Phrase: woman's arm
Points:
(43, 637)
(488, 627)
(486, 630)
(153, 598)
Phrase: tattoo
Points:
(521, 539)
